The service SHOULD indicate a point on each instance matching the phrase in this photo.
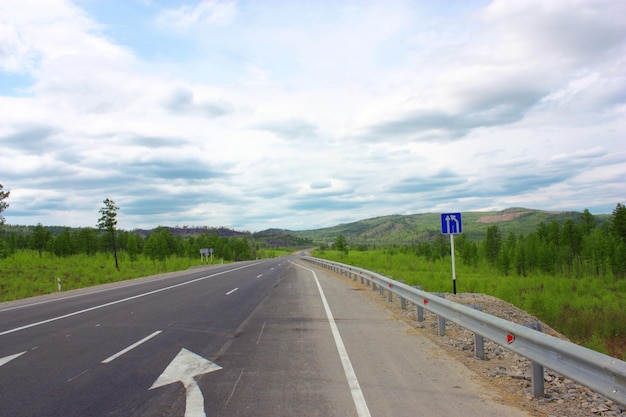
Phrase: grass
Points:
(25, 274)
(590, 311)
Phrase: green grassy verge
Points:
(25, 274)
(589, 310)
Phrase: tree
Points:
(3, 204)
(619, 221)
(63, 244)
(341, 244)
(87, 241)
(40, 238)
(493, 243)
(132, 247)
(587, 222)
(156, 246)
(108, 222)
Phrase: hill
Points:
(392, 229)
(414, 228)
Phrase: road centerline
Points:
(232, 291)
(131, 347)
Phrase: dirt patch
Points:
(507, 217)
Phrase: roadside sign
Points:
(451, 224)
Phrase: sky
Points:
(307, 114)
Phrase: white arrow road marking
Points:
(184, 368)
(7, 359)
(131, 347)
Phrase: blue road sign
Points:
(451, 224)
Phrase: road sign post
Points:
(451, 224)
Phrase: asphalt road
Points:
(265, 338)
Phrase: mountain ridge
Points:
(413, 228)
(388, 229)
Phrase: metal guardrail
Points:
(601, 373)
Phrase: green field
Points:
(589, 310)
(24, 274)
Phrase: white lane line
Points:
(258, 339)
(131, 347)
(259, 276)
(85, 291)
(232, 291)
(234, 388)
(123, 300)
(82, 373)
(357, 395)
(8, 359)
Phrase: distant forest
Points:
(574, 247)
(571, 248)
(158, 244)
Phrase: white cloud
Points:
(205, 12)
(306, 114)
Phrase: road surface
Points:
(274, 337)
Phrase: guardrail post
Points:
(537, 369)
(441, 325)
(402, 300)
(420, 313)
(440, 319)
(419, 310)
(390, 295)
(479, 345)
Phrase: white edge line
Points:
(357, 395)
(28, 326)
(232, 291)
(131, 347)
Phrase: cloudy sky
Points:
(304, 114)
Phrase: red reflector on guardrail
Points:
(510, 338)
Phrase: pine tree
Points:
(40, 238)
(3, 204)
(108, 222)
(493, 243)
(619, 221)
